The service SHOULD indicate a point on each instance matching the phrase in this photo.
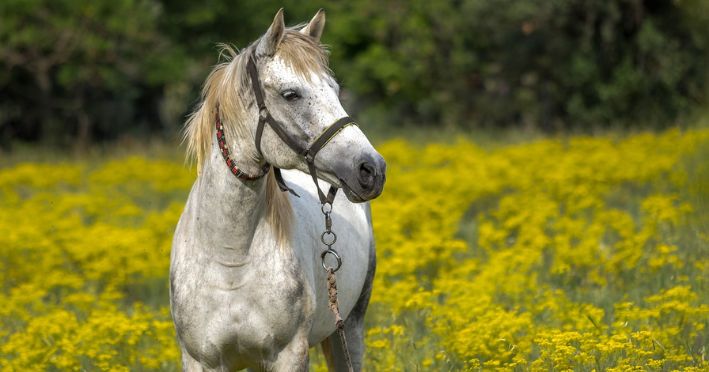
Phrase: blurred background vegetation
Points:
(86, 71)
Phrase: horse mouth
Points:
(360, 196)
(351, 195)
(360, 183)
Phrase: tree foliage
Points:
(81, 67)
(554, 64)
(97, 69)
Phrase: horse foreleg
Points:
(293, 357)
(354, 329)
(190, 364)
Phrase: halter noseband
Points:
(308, 153)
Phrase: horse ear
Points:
(270, 41)
(315, 26)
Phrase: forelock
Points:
(303, 54)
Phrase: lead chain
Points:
(329, 238)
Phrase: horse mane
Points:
(228, 87)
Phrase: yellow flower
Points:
(578, 253)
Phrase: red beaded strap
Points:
(230, 163)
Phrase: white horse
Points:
(247, 289)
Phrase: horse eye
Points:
(290, 95)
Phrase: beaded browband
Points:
(227, 158)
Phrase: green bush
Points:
(554, 64)
(99, 69)
(80, 68)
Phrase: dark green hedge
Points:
(95, 69)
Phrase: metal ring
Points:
(322, 208)
(328, 233)
(337, 257)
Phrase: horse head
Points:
(301, 96)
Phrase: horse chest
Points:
(249, 310)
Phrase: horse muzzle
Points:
(365, 181)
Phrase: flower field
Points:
(583, 253)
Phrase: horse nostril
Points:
(366, 175)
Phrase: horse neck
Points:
(228, 209)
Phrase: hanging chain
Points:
(329, 238)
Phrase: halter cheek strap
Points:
(308, 153)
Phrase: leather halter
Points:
(308, 153)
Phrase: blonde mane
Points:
(228, 87)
